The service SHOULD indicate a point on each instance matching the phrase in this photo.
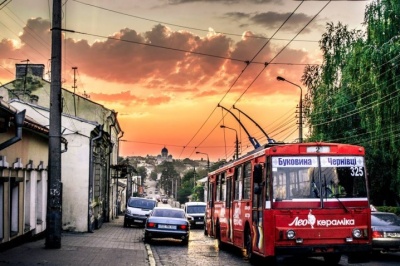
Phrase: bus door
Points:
(257, 208)
(237, 209)
(228, 207)
(210, 206)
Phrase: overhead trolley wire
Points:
(248, 62)
(181, 26)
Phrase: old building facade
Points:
(92, 131)
(23, 175)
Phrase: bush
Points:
(395, 210)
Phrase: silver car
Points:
(167, 222)
(385, 231)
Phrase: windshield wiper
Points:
(335, 195)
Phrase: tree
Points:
(353, 96)
(142, 173)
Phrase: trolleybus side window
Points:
(246, 181)
(218, 192)
(228, 193)
(210, 194)
(238, 183)
(221, 187)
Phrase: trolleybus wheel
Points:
(332, 259)
(221, 245)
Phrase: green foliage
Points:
(142, 172)
(395, 210)
(30, 83)
(353, 97)
(198, 194)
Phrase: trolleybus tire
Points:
(221, 245)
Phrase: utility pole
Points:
(54, 192)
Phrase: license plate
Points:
(138, 221)
(166, 226)
(199, 222)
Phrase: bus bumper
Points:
(322, 250)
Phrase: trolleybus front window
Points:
(304, 177)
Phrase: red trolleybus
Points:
(308, 199)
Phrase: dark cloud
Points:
(272, 20)
(126, 57)
(178, 2)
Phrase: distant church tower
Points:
(164, 152)
(164, 156)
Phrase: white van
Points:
(137, 211)
(195, 212)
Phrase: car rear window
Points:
(168, 213)
(385, 219)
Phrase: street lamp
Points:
(237, 141)
(279, 78)
(208, 160)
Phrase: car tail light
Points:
(377, 234)
(150, 224)
(183, 227)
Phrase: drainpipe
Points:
(116, 194)
(19, 119)
(109, 176)
(91, 177)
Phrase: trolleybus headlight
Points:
(290, 234)
(357, 233)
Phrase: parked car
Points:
(167, 222)
(137, 211)
(385, 231)
(195, 212)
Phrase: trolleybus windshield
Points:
(299, 177)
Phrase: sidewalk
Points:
(112, 244)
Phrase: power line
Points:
(181, 26)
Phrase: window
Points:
(223, 187)
(238, 183)
(247, 181)
(218, 196)
(14, 204)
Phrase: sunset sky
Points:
(165, 65)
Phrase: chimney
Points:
(34, 69)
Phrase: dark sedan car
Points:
(166, 222)
(385, 231)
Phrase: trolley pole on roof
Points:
(252, 120)
(253, 141)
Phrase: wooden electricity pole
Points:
(54, 192)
